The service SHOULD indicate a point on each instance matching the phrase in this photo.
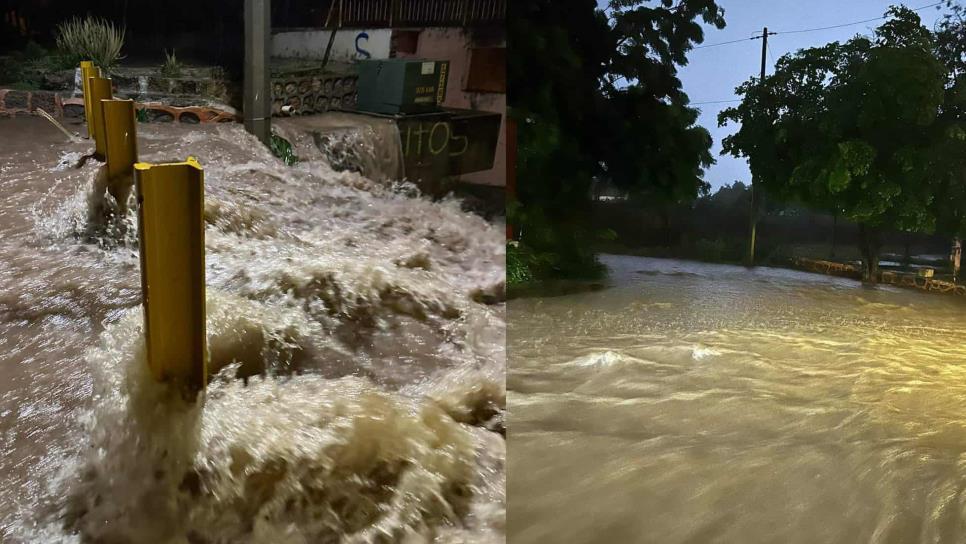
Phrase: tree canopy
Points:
(865, 129)
(596, 96)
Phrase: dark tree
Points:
(856, 129)
(596, 96)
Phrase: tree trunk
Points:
(666, 221)
(869, 245)
(955, 256)
(835, 224)
(907, 257)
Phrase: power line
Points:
(799, 31)
(714, 102)
(836, 26)
(855, 23)
(722, 43)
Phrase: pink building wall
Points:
(454, 45)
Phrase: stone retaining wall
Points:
(828, 267)
(14, 102)
(890, 277)
(305, 94)
(314, 93)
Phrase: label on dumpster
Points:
(428, 68)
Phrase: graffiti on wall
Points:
(434, 138)
(349, 45)
(360, 52)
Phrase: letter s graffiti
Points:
(362, 52)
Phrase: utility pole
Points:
(257, 95)
(753, 211)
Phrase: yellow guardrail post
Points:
(172, 232)
(121, 145)
(88, 70)
(100, 88)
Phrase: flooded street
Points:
(358, 333)
(697, 403)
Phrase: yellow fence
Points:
(171, 230)
(172, 234)
(121, 147)
(88, 70)
(100, 89)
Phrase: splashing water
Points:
(358, 393)
(694, 403)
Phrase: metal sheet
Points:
(172, 235)
(88, 70)
(121, 146)
(100, 88)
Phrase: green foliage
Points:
(950, 141)
(282, 149)
(91, 38)
(33, 50)
(141, 115)
(860, 128)
(25, 69)
(171, 67)
(517, 264)
(525, 263)
(710, 250)
(589, 91)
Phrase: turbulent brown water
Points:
(359, 333)
(693, 403)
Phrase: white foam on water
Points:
(359, 385)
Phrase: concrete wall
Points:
(454, 44)
(348, 45)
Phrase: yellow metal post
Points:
(120, 129)
(100, 88)
(88, 70)
(171, 224)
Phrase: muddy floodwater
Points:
(695, 403)
(357, 341)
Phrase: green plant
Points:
(710, 250)
(171, 67)
(282, 149)
(891, 159)
(33, 50)
(141, 115)
(91, 38)
(517, 267)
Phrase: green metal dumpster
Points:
(401, 86)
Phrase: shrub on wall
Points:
(91, 38)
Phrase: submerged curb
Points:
(888, 277)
